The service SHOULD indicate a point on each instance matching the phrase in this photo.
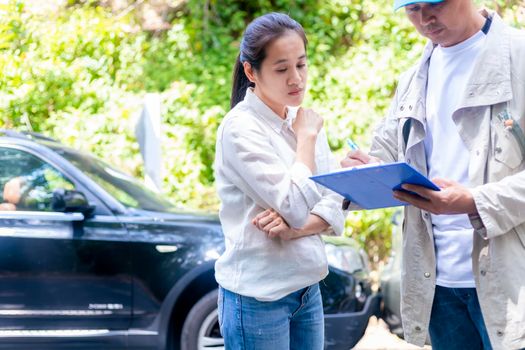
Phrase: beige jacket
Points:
(498, 186)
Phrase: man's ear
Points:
(248, 70)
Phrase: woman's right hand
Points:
(306, 126)
(356, 158)
(307, 123)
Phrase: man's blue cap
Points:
(401, 3)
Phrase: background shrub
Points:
(79, 71)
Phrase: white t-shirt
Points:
(447, 156)
(255, 169)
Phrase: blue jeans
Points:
(295, 322)
(456, 321)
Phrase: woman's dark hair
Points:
(259, 33)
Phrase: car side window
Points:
(27, 182)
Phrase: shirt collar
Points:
(266, 113)
(491, 84)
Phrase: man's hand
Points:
(270, 222)
(357, 157)
(453, 198)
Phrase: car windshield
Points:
(124, 188)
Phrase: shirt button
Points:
(402, 108)
(409, 107)
(483, 272)
(425, 215)
(408, 161)
(427, 274)
(418, 329)
(499, 333)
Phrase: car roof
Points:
(27, 135)
(45, 145)
(48, 146)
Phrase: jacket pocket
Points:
(505, 148)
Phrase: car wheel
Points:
(201, 328)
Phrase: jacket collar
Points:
(489, 84)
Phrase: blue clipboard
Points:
(370, 186)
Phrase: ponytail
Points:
(240, 83)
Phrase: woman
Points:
(271, 212)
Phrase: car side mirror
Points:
(71, 201)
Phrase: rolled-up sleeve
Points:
(329, 207)
(300, 175)
(259, 172)
(332, 213)
(493, 202)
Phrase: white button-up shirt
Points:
(256, 169)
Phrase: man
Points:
(10, 195)
(27, 192)
(458, 117)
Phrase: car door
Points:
(57, 270)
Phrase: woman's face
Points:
(281, 79)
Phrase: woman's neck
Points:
(279, 109)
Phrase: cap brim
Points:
(402, 3)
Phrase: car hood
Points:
(182, 226)
(176, 216)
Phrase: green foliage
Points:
(70, 60)
(80, 74)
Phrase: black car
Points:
(89, 258)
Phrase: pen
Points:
(352, 144)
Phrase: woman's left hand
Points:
(270, 222)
